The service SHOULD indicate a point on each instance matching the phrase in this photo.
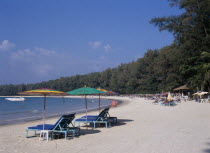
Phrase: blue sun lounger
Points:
(93, 119)
(61, 126)
(167, 103)
(105, 114)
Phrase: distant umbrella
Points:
(106, 92)
(169, 98)
(113, 93)
(43, 92)
(200, 93)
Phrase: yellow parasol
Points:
(169, 98)
(43, 92)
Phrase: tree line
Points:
(185, 61)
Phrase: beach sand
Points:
(143, 127)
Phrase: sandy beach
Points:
(143, 127)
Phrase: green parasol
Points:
(85, 91)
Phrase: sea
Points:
(32, 108)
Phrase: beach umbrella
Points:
(43, 92)
(102, 89)
(200, 93)
(85, 91)
(169, 97)
(112, 92)
(106, 92)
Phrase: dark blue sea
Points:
(32, 108)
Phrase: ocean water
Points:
(32, 108)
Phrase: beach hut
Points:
(182, 89)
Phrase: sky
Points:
(43, 40)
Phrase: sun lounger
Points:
(155, 102)
(105, 114)
(61, 126)
(177, 100)
(168, 103)
(92, 119)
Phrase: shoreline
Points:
(78, 112)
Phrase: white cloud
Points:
(39, 64)
(6, 45)
(95, 44)
(107, 47)
(22, 53)
(46, 52)
(37, 61)
(35, 53)
(99, 44)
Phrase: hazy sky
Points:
(47, 39)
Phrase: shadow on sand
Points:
(89, 130)
(121, 122)
(207, 150)
(86, 130)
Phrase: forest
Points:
(185, 61)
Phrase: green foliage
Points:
(192, 39)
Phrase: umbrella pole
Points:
(99, 102)
(44, 114)
(86, 108)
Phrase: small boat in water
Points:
(16, 99)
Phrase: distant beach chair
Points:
(155, 102)
(168, 103)
(177, 100)
(161, 100)
(94, 119)
(62, 126)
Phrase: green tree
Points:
(191, 30)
